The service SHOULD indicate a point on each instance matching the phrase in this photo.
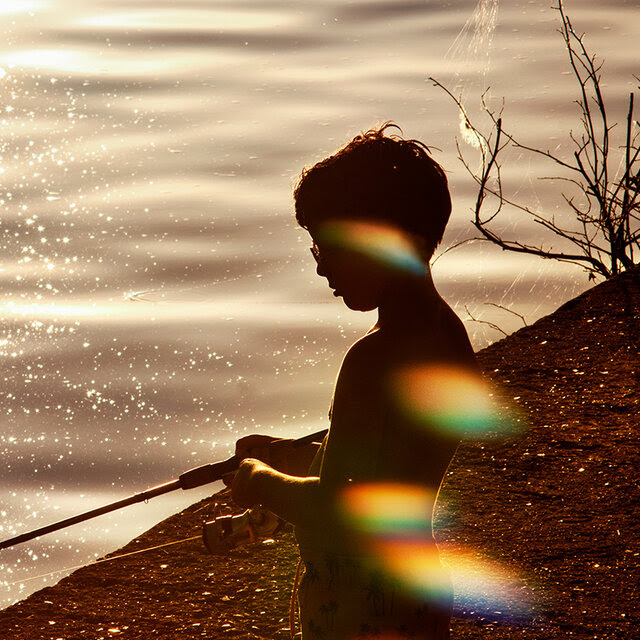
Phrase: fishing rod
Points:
(188, 480)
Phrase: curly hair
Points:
(378, 177)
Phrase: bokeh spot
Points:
(453, 401)
(382, 243)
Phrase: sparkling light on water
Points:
(21, 6)
(191, 19)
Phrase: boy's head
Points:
(378, 178)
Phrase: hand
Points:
(279, 453)
(243, 489)
(266, 448)
(255, 446)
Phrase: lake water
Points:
(157, 300)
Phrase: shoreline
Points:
(557, 505)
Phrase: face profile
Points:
(362, 260)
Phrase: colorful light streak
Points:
(384, 244)
(453, 400)
(392, 523)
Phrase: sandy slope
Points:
(556, 505)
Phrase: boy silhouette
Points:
(375, 211)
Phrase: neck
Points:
(408, 299)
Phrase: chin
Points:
(359, 305)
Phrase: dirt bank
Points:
(557, 506)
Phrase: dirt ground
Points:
(557, 505)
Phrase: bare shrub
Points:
(604, 202)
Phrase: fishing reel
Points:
(227, 532)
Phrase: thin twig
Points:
(609, 216)
(515, 313)
(489, 324)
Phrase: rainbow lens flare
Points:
(392, 524)
(487, 588)
(388, 509)
(453, 400)
(382, 243)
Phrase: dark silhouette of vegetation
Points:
(603, 201)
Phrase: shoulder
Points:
(364, 349)
(361, 371)
(366, 357)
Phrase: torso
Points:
(374, 435)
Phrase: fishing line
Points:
(470, 54)
(101, 560)
(473, 43)
(170, 294)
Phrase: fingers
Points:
(276, 452)
(255, 446)
(279, 453)
(243, 489)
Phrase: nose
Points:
(320, 263)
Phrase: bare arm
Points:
(298, 500)
(351, 451)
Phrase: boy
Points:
(376, 210)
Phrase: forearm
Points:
(301, 501)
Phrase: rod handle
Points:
(207, 473)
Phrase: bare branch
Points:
(489, 324)
(515, 313)
(606, 209)
(452, 247)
